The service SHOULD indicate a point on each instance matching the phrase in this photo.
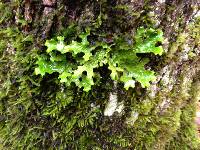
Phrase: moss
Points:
(187, 129)
(42, 113)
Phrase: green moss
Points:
(186, 137)
(42, 113)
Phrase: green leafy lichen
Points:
(42, 113)
(123, 62)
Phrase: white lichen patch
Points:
(153, 89)
(168, 78)
(120, 108)
(94, 106)
(111, 105)
(161, 1)
(164, 104)
(197, 14)
(186, 85)
(165, 44)
(184, 56)
(165, 77)
(131, 120)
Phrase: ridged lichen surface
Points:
(41, 112)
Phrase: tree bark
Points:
(42, 113)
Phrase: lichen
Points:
(42, 113)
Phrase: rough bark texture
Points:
(41, 113)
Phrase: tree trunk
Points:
(39, 112)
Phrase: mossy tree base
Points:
(42, 113)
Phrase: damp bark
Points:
(42, 113)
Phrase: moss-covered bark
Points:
(42, 113)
